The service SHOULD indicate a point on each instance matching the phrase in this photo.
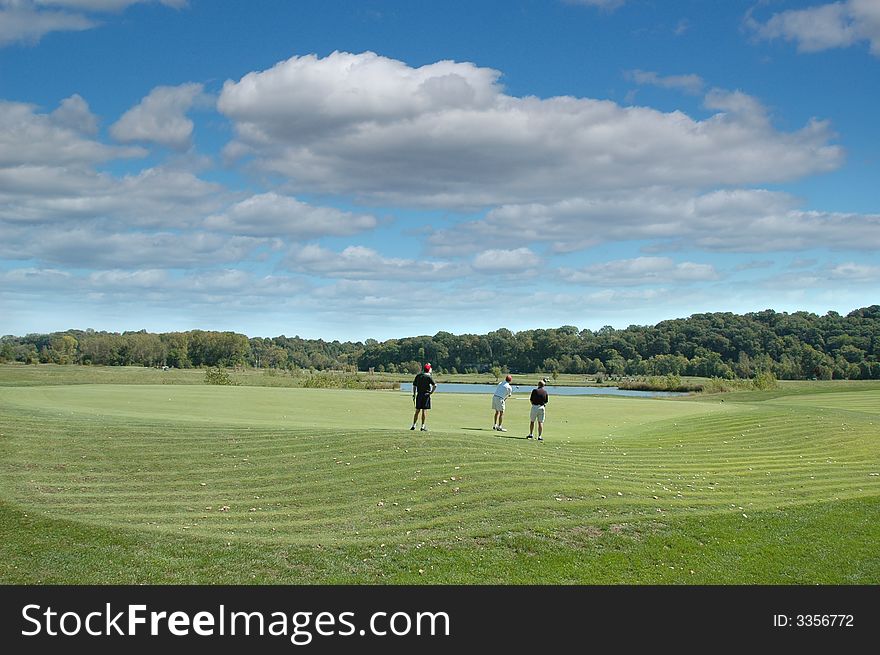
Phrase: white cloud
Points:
(21, 22)
(365, 296)
(639, 271)
(446, 135)
(833, 25)
(92, 246)
(227, 282)
(360, 263)
(841, 279)
(30, 278)
(274, 215)
(305, 97)
(689, 83)
(75, 114)
(739, 220)
(28, 21)
(161, 117)
(138, 279)
(31, 138)
(853, 272)
(232, 287)
(617, 297)
(744, 107)
(153, 287)
(155, 197)
(505, 261)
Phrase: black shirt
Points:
(423, 383)
(539, 396)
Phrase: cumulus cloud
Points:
(75, 114)
(305, 97)
(161, 117)
(688, 83)
(28, 137)
(155, 197)
(639, 271)
(746, 108)
(48, 181)
(274, 215)
(557, 174)
(162, 216)
(360, 263)
(738, 220)
(447, 135)
(832, 25)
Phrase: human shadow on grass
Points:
(503, 436)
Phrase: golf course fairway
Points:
(116, 483)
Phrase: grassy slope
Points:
(116, 482)
(794, 546)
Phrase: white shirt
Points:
(504, 390)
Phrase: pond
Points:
(464, 387)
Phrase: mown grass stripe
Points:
(321, 483)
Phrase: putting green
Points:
(572, 417)
(866, 402)
(333, 467)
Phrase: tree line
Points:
(799, 345)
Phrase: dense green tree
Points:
(63, 349)
(798, 345)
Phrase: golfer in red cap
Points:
(423, 387)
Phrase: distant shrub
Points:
(761, 382)
(721, 385)
(218, 375)
(671, 382)
(765, 381)
(326, 380)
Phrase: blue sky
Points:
(349, 170)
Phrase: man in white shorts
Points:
(502, 392)
(539, 399)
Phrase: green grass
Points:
(42, 374)
(24, 375)
(204, 484)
